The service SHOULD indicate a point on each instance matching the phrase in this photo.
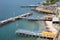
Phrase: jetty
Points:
(29, 6)
(57, 22)
(15, 18)
(44, 10)
(44, 18)
(39, 19)
(27, 33)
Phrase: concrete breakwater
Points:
(15, 18)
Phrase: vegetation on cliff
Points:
(50, 2)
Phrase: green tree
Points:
(49, 2)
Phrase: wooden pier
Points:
(43, 10)
(27, 33)
(14, 18)
(29, 6)
(36, 19)
(44, 18)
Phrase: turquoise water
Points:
(11, 8)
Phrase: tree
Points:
(50, 2)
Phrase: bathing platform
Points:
(43, 10)
(26, 33)
(29, 6)
(40, 19)
(15, 18)
(44, 18)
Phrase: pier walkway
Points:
(39, 19)
(44, 10)
(14, 18)
(27, 33)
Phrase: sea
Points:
(11, 8)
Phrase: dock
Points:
(29, 6)
(27, 33)
(44, 18)
(40, 19)
(43, 10)
(15, 18)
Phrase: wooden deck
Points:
(44, 10)
(27, 33)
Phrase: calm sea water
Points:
(11, 8)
